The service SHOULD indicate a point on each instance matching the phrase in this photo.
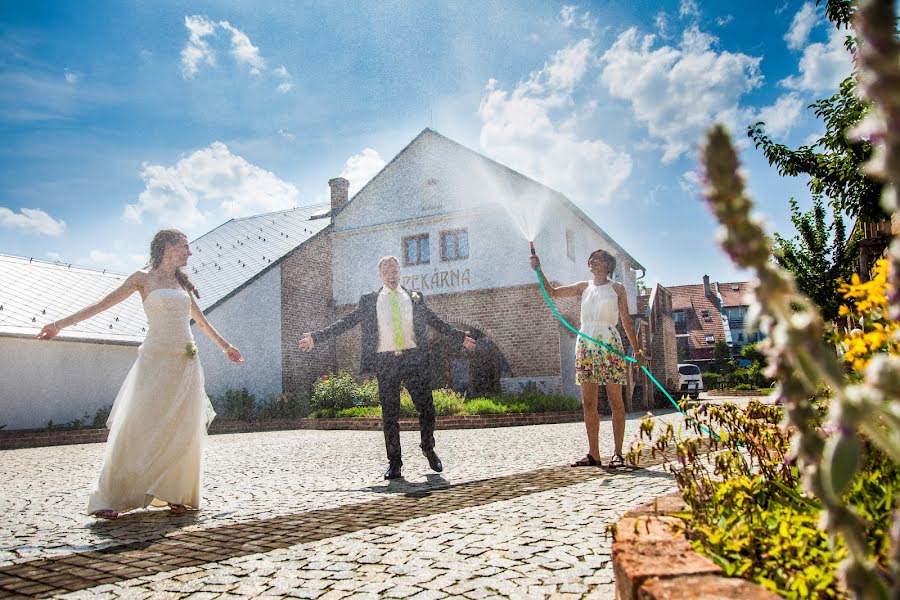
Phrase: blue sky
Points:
(118, 118)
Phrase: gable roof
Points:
(692, 300)
(239, 251)
(34, 293)
(556, 195)
(224, 261)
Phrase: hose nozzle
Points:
(533, 253)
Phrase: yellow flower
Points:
(868, 302)
(191, 350)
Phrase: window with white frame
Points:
(416, 250)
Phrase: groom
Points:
(395, 346)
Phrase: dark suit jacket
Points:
(366, 315)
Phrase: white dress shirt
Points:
(386, 320)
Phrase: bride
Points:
(158, 422)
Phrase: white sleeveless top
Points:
(599, 310)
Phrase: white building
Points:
(460, 223)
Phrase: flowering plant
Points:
(415, 297)
(869, 301)
(191, 350)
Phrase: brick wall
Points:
(306, 305)
(516, 319)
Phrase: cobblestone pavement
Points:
(306, 514)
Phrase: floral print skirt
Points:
(596, 364)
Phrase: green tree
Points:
(721, 355)
(833, 163)
(819, 257)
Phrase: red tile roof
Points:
(693, 301)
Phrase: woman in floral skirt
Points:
(603, 304)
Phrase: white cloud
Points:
(689, 182)
(801, 26)
(567, 66)
(570, 19)
(823, 66)
(31, 220)
(781, 116)
(116, 260)
(360, 168)
(567, 15)
(55, 256)
(688, 8)
(286, 84)
(662, 24)
(532, 129)
(723, 21)
(72, 77)
(286, 134)
(244, 52)
(197, 50)
(207, 186)
(679, 91)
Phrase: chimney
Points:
(706, 291)
(339, 191)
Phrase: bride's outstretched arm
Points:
(230, 351)
(134, 283)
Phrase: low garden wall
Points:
(58, 437)
(653, 560)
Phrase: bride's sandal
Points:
(616, 462)
(177, 509)
(587, 461)
(110, 515)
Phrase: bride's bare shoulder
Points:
(137, 281)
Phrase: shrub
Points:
(742, 387)
(540, 403)
(712, 381)
(335, 391)
(448, 402)
(359, 411)
(366, 393)
(407, 408)
(749, 512)
(484, 406)
(235, 405)
(285, 406)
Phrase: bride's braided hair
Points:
(162, 240)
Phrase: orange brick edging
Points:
(10, 440)
(654, 561)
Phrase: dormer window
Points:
(710, 339)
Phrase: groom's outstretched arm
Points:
(457, 336)
(335, 329)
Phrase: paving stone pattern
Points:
(305, 514)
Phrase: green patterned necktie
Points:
(399, 338)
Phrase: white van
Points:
(690, 381)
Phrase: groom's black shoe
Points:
(433, 461)
(393, 471)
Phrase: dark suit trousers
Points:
(411, 369)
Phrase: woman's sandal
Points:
(587, 461)
(110, 515)
(617, 461)
(177, 509)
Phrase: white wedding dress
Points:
(154, 453)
